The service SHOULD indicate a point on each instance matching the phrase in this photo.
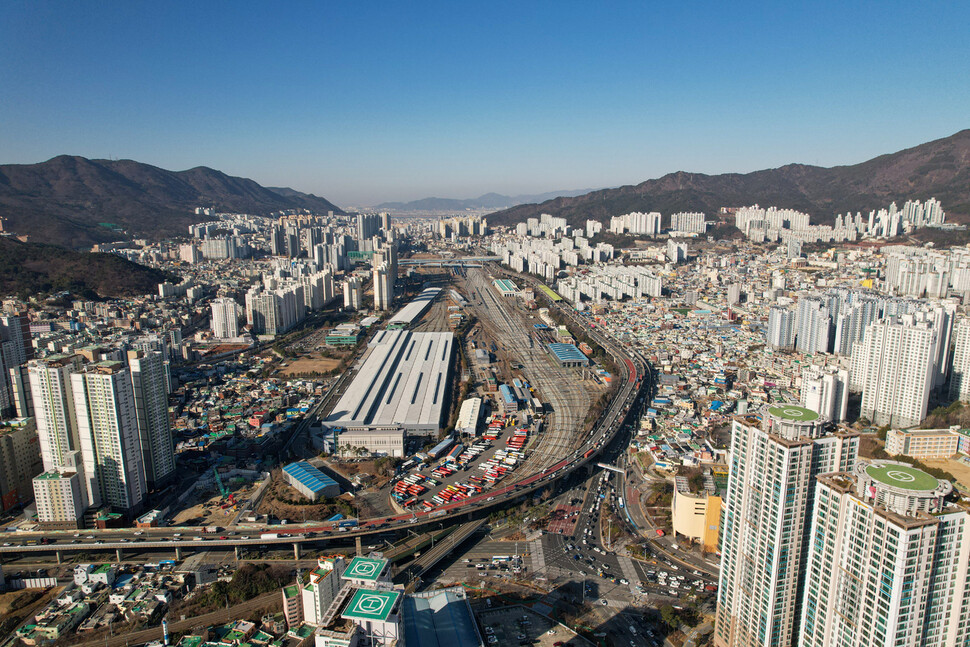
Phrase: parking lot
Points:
(463, 474)
(521, 626)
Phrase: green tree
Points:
(669, 616)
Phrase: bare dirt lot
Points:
(284, 502)
(310, 365)
(957, 468)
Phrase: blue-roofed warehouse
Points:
(309, 481)
(440, 618)
(507, 401)
(568, 355)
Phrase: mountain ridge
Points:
(939, 168)
(74, 201)
(489, 200)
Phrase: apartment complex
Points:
(766, 520)
(888, 563)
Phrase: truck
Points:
(269, 535)
(210, 529)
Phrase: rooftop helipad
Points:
(364, 568)
(902, 476)
(793, 412)
(371, 605)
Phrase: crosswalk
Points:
(538, 558)
(629, 571)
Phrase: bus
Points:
(501, 559)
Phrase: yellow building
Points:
(697, 517)
(923, 443)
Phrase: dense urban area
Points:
(730, 428)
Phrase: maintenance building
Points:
(414, 310)
(568, 355)
(402, 385)
(309, 481)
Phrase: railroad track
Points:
(559, 388)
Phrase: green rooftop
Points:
(364, 568)
(793, 413)
(370, 605)
(304, 631)
(50, 476)
(902, 476)
(291, 591)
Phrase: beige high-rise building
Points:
(59, 495)
(19, 462)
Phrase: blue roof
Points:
(567, 353)
(507, 394)
(309, 476)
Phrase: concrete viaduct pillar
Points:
(296, 550)
(178, 554)
(118, 555)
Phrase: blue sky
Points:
(363, 102)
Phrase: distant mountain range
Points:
(940, 169)
(487, 201)
(75, 202)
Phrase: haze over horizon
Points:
(366, 104)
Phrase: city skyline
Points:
(364, 105)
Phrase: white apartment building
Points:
(781, 328)
(812, 324)
(888, 561)
(688, 222)
(767, 512)
(59, 498)
(383, 290)
(151, 409)
(114, 473)
(895, 367)
(352, 293)
(960, 375)
(225, 318)
(826, 389)
(50, 388)
(321, 588)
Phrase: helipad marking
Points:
(370, 604)
(365, 569)
(902, 477)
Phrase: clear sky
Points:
(363, 102)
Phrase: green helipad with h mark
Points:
(365, 568)
(902, 476)
(793, 412)
(370, 605)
